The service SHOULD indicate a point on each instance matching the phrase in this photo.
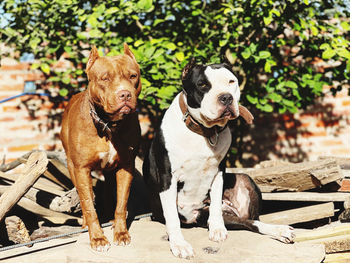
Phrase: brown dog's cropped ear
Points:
(188, 68)
(92, 58)
(128, 52)
(245, 113)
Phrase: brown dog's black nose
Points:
(225, 99)
(124, 95)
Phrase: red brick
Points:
(10, 108)
(332, 142)
(18, 87)
(312, 134)
(23, 148)
(19, 66)
(7, 119)
(341, 151)
(23, 127)
(28, 76)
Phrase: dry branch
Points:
(51, 155)
(35, 166)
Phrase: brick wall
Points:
(29, 122)
(321, 130)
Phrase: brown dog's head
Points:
(114, 83)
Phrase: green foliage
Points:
(277, 48)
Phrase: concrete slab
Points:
(149, 244)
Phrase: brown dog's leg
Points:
(121, 234)
(83, 181)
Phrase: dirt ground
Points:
(149, 244)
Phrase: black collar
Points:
(103, 126)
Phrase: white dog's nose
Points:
(225, 99)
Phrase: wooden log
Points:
(16, 230)
(60, 156)
(332, 231)
(306, 196)
(35, 166)
(343, 162)
(41, 183)
(295, 177)
(337, 258)
(45, 231)
(55, 175)
(299, 215)
(53, 216)
(69, 202)
(334, 244)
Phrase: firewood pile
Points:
(306, 195)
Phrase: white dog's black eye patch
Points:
(196, 84)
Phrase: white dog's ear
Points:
(188, 68)
(226, 60)
(246, 114)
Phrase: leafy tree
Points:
(284, 52)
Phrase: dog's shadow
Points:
(105, 198)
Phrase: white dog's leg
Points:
(217, 229)
(179, 247)
(283, 233)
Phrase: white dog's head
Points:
(212, 93)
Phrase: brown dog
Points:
(100, 131)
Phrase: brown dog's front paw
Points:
(122, 238)
(100, 244)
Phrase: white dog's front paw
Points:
(181, 248)
(284, 233)
(218, 234)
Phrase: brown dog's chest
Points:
(108, 157)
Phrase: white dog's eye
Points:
(231, 81)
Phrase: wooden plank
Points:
(343, 162)
(69, 202)
(35, 166)
(41, 184)
(295, 177)
(53, 216)
(306, 196)
(324, 232)
(60, 156)
(337, 258)
(299, 215)
(334, 244)
(58, 173)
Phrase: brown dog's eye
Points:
(133, 76)
(105, 77)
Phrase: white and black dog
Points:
(182, 169)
